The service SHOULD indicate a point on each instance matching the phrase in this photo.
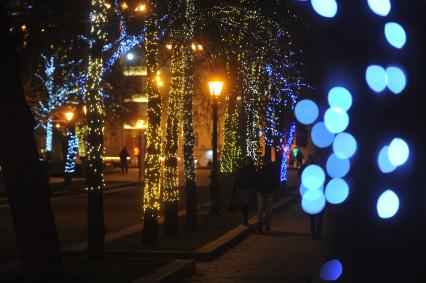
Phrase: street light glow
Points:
(215, 88)
(140, 8)
(69, 115)
(130, 56)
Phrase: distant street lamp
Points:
(140, 8)
(130, 56)
(69, 116)
(215, 91)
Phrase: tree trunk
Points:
(25, 178)
(171, 219)
(152, 184)
(188, 129)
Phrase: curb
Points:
(209, 251)
(175, 271)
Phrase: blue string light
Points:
(286, 150)
(70, 162)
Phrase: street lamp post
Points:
(215, 91)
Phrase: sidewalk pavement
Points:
(115, 176)
(285, 254)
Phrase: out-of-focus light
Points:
(107, 5)
(337, 167)
(69, 115)
(387, 204)
(340, 97)
(344, 145)
(313, 177)
(383, 160)
(396, 79)
(325, 8)
(130, 56)
(321, 137)
(331, 270)
(200, 47)
(306, 111)
(169, 46)
(398, 152)
(302, 190)
(23, 27)
(124, 6)
(313, 201)
(57, 126)
(336, 120)
(336, 191)
(376, 78)
(140, 8)
(380, 7)
(194, 47)
(395, 35)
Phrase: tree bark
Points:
(25, 178)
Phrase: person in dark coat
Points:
(245, 183)
(124, 154)
(269, 182)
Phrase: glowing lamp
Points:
(140, 124)
(140, 8)
(130, 56)
(215, 88)
(69, 116)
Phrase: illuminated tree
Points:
(152, 185)
(188, 129)
(57, 75)
(95, 118)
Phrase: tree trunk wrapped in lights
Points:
(95, 115)
(251, 106)
(188, 129)
(181, 32)
(152, 185)
(174, 110)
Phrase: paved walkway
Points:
(286, 254)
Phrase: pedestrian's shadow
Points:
(283, 234)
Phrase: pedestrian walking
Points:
(315, 220)
(268, 184)
(124, 154)
(244, 185)
(299, 158)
